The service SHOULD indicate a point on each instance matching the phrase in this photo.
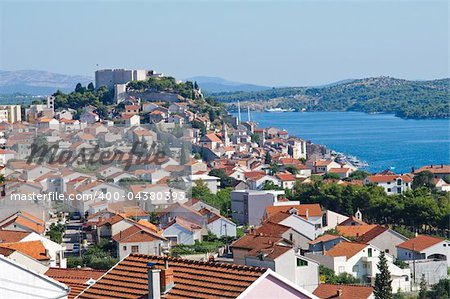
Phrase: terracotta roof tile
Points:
(34, 249)
(371, 234)
(74, 278)
(355, 231)
(421, 242)
(9, 236)
(129, 279)
(272, 229)
(347, 249)
(329, 291)
(314, 210)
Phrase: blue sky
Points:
(276, 43)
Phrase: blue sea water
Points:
(382, 140)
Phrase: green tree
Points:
(441, 290)
(383, 282)
(359, 175)
(91, 87)
(331, 176)
(268, 158)
(79, 88)
(255, 138)
(423, 288)
(423, 179)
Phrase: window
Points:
(301, 263)
(124, 248)
(355, 268)
(134, 249)
(399, 190)
(369, 252)
(399, 182)
(389, 189)
(291, 237)
(388, 183)
(103, 190)
(387, 251)
(406, 184)
(341, 269)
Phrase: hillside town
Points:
(139, 186)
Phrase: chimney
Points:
(431, 166)
(167, 280)
(339, 293)
(154, 288)
(307, 214)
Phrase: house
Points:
(131, 119)
(139, 239)
(32, 284)
(182, 231)
(286, 179)
(131, 109)
(107, 228)
(360, 260)
(384, 238)
(439, 171)
(441, 185)
(391, 183)
(211, 182)
(342, 172)
(159, 277)
(424, 247)
(33, 250)
(23, 221)
(278, 230)
(218, 224)
(343, 291)
(89, 117)
(248, 206)
(211, 141)
(54, 250)
(325, 242)
(6, 155)
(324, 166)
(164, 196)
(77, 279)
(278, 254)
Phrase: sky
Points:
(273, 43)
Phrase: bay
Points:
(382, 140)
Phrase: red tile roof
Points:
(439, 169)
(74, 278)
(314, 210)
(371, 234)
(355, 231)
(285, 177)
(347, 249)
(329, 291)
(272, 229)
(34, 249)
(388, 178)
(419, 243)
(137, 233)
(324, 238)
(129, 279)
(8, 236)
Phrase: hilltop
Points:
(404, 98)
(215, 84)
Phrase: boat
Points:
(278, 110)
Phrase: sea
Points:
(384, 141)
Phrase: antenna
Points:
(239, 112)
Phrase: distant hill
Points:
(38, 82)
(404, 98)
(215, 84)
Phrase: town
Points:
(139, 186)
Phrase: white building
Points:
(18, 281)
(424, 247)
(360, 260)
(391, 183)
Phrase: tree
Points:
(423, 179)
(383, 281)
(331, 176)
(90, 86)
(195, 85)
(79, 88)
(441, 290)
(268, 158)
(423, 288)
(359, 175)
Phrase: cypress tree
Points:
(423, 288)
(383, 281)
